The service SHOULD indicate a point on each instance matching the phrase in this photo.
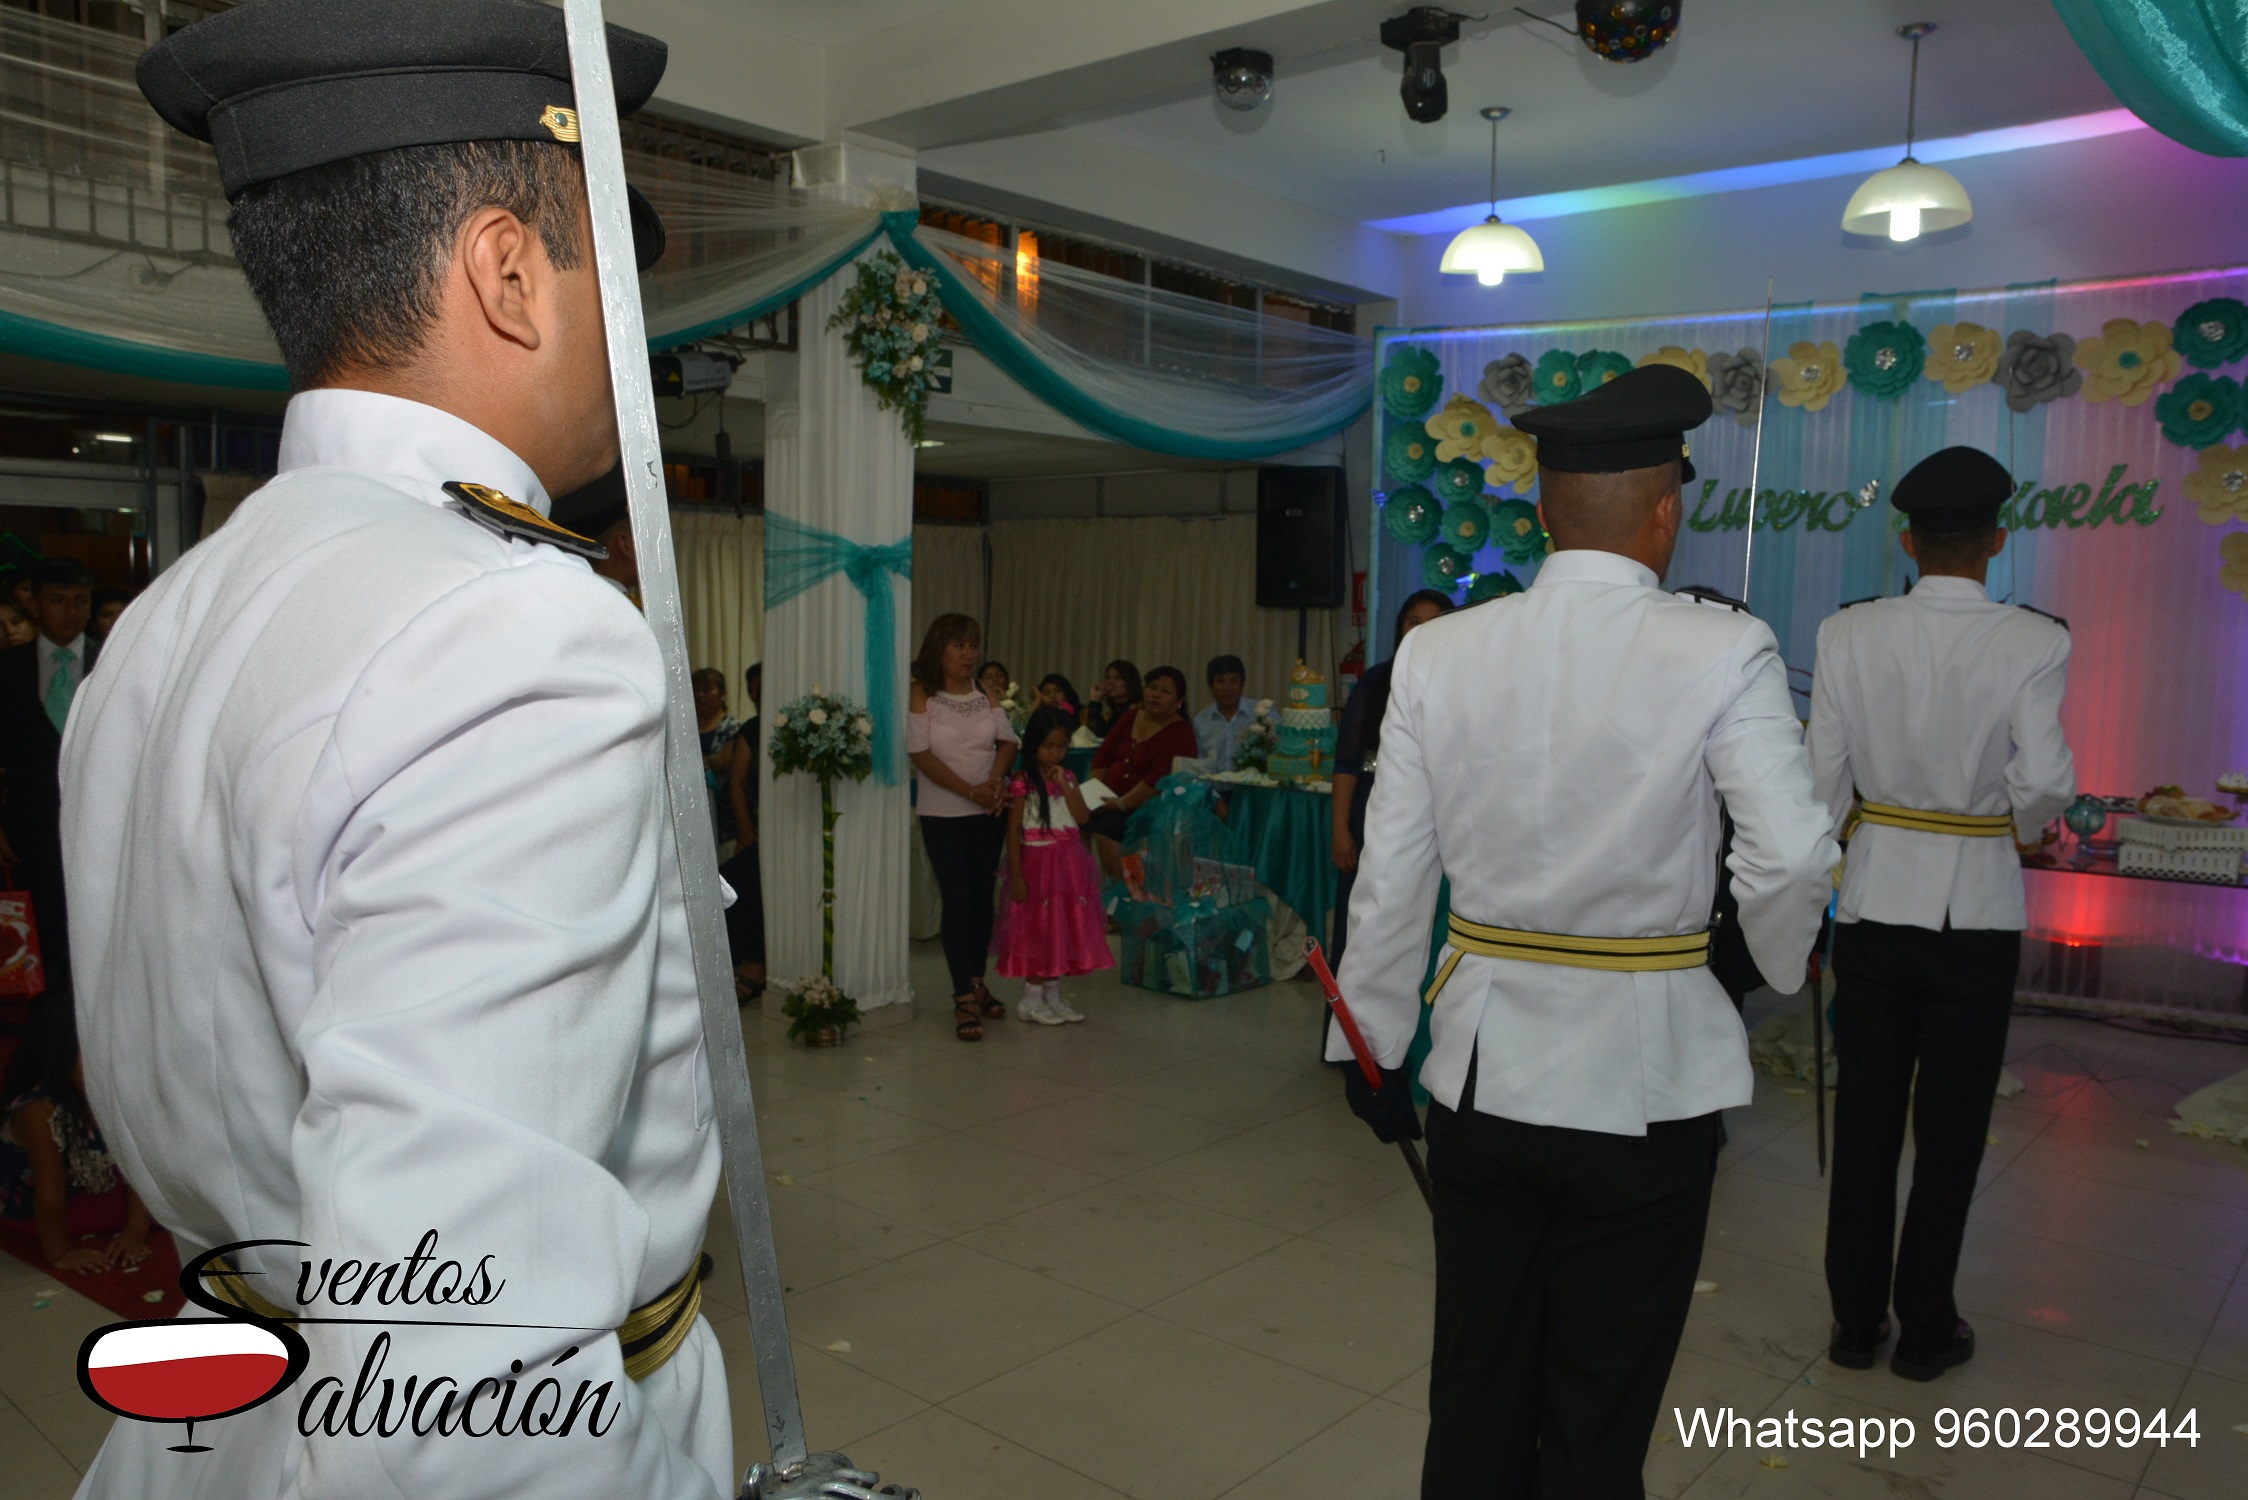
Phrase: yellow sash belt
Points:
(650, 1333)
(1920, 820)
(1685, 950)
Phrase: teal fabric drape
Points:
(798, 556)
(2181, 65)
(1290, 838)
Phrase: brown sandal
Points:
(965, 1023)
(993, 1010)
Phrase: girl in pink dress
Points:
(1052, 927)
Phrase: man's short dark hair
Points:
(345, 258)
(1220, 665)
(1952, 551)
(60, 573)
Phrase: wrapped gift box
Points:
(1197, 949)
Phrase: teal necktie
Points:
(60, 687)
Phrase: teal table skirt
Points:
(1291, 837)
(1079, 763)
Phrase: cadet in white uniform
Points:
(381, 927)
(1941, 711)
(1563, 756)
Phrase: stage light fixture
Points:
(1911, 198)
(1422, 34)
(1242, 77)
(1489, 250)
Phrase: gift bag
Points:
(22, 975)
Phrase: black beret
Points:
(279, 86)
(1955, 489)
(1636, 421)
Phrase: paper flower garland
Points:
(1460, 428)
(1408, 454)
(1443, 567)
(2212, 333)
(1555, 379)
(1412, 515)
(1460, 479)
(1961, 356)
(1596, 367)
(889, 318)
(1409, 381)
(2234, 574)
(1466, 525)
(1885, 359)
(1511, 459)
(2127, 362)
(1489, 586)
(1693, 361)
(2199, 410)
(1810, 375)
(1515, 528)
(2037, 368)
(1507, 383)
(1736, 384)
(2220, 485)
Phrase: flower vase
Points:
(824, 1036)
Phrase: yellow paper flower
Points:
(1510, 457)
(2128, 362)
(1460, 428)
(2234, 574)
(1810, 375)
(2220, 485)
(1693, 361)
(1962, 356)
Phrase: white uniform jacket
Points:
(1945, 701)
(1560, 755)
(381, 931)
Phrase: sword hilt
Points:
(822, 1476)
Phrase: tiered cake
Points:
(1304, 745)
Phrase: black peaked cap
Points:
(1954, 489)
(1635, 421)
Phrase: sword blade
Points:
(733, 1106)
(1756, 456)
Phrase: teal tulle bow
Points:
(798, 556)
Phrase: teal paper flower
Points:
(1515, 530)
(1461, 479)
(1410, 382)
(1412, 515)
(1555, 379)
(1884, 359)
(2200, 411)
(1443, 567)
(1466, 525)
(1489, 586)
(2211, 333)
(1597, 367)
(1408, 454)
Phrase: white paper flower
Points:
(914, 363)
(818, 691)
(817, 716)
(921, 333)
(864, 726)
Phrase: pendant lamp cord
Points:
(1912, 99)
(1495, 168)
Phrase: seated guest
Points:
(745, 919)
(55, 1170)
(1218, 727)
(16, 628)
(1119, 691)
(993, 679)
(1056, 693)
(1138, 753)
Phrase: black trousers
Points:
(1919, 1018)
(745, 919)
(964, 854)
(1565, 1263)
(37, 837)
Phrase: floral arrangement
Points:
(1412, 515)
(890, 319)
(1555, 378)
(1884, 359)
(1467, 525)
(1693, 361)
(2200, 410)
(1443, 566)
(1510, 459)
(1736, 384)
(1596, 367)
(2128, 362)
(1015, 707)
(1408, 454)
(1252, 749)
(817, 1010)
(2037, 368)
(1409, 381)
(1460, 429)
(832, 738)
(1460, 479)
(1811, 375)
(1514, 526)
(1489, 586)
(2211, 334)
(1961, 356)
(2220, 485)
(1507, 384)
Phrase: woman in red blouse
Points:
(1138, 753)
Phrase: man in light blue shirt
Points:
(1217, 729)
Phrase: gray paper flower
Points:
(1506, 384)
(1736, 384)
(2037, 368)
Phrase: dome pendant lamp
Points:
(1910, 198)
(1487, 251)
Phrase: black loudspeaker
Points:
(1300, 520)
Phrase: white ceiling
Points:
(824, 23)
(1745, 82)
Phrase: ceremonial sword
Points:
(794, 1471)
(1371, 1070)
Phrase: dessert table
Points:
(1290, 831)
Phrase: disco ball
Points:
(1627, 31)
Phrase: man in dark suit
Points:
(37, 683)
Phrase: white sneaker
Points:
(1056, 1005)
(1034, 1007)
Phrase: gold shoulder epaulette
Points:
(488, 507)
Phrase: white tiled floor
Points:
(1154, 1256)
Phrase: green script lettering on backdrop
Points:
(2074, 506)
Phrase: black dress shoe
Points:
(1921, 1363)
(1855, 1350)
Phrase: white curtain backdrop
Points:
(722, 593)
(834, 460)
(948, 574)
(1071, 596)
